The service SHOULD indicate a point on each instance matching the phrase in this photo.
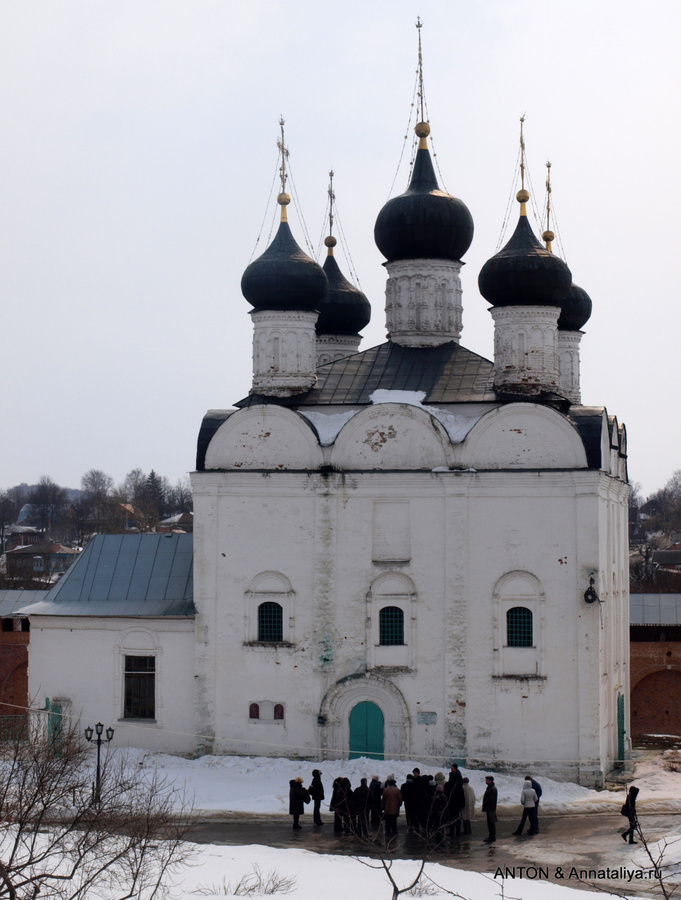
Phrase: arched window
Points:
(519, 627)
(270, 623)
(254, 711)
(391, 626)
(278, 710)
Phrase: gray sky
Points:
(137, 155)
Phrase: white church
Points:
(408, 552)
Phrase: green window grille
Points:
(140, 687)
(270, 623)
(391, 626)
(519, 627)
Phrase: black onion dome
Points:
(284, 277)
(345, 310)
(576, 310)
(524, 273)
(424, 222)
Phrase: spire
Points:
(283, 199)
(548, 236)
(330, 241)
(522, 196)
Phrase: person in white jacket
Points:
(528, 801)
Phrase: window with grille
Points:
(519, 627)
(254, 711)
(270, 623)
(278, 711)
(391, 626)
(140, 687)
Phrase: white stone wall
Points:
(454, 549)
(82, 660)
(331, 347)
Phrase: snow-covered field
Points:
(260, 785)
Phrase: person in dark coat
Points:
(333, 806)
(455, 800)
(362, 799)
(438, 816)
(489, 807)
(316, 791)
(297, 798)
(424, 796)
(408, 791)
(375, 793)
(345, 804)
(629, 810)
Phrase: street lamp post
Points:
(99, 729)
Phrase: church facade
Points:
(407, 552)
(412, 551)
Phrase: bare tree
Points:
(58, 844)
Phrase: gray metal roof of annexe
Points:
(125, 575)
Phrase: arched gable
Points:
(264, 437)
(523, 436)
(391, 436)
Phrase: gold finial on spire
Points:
(548, 235)
(330, 241)
(422, 127)
(283, 199)
(522, 196)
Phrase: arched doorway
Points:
(656, 704)
(366, 731)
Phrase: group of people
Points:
(432, 804)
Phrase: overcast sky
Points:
(136, 162)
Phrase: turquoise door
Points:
(366, 731)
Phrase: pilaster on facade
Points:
(331, 347)
(568, 364)
(284, 352)
(526, 349)
(423, 302)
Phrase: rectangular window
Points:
(140, 687)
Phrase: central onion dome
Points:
(284, 278)
(524, 273)
(345, 310)
(576, 310)
(424, 222)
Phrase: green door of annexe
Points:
(366, 731)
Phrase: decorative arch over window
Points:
(391, 621)
(519, 626)
(269, 610)
(391, 626)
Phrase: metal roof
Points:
(447, 374)
(655, 609)
(126, 575)
(12, 601)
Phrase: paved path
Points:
(565, 846)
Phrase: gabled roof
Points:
(447, 374)
(126, 575)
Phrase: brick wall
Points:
(655, 688)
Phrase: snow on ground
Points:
(244, 784)
(320, 877)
